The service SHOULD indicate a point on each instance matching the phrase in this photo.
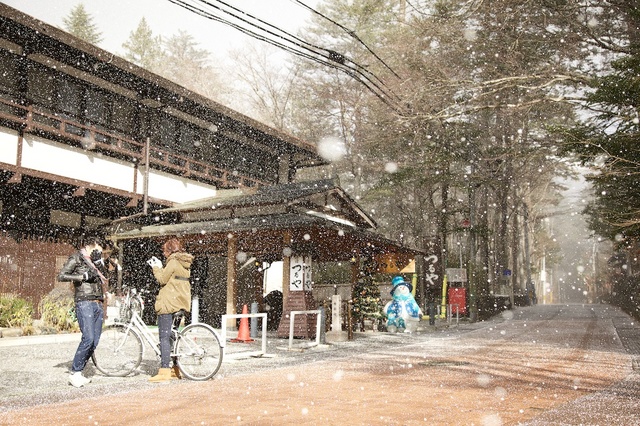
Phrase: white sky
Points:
(115, 19)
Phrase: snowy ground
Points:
(544, 365)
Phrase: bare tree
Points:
(270, 81)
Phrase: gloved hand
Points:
(154, 262)
(90, 276)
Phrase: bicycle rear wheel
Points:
(119, 351)
(198, 352)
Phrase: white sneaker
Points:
(78, 380)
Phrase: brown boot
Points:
(175, 373)
(164, 375)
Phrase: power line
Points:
(328, 54)
(293, 44)
(348, 31)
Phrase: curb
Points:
(34, 340)
(10, 332)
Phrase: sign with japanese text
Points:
(432, 267)
(300, 273)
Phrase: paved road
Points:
(543, 365)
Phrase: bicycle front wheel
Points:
(119, 351)
(198, 352)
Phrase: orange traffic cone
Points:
(243, 331)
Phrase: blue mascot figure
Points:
(403, 313)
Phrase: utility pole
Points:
(471, 263)
(145, 182)
(531, 296)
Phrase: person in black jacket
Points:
(88, 282)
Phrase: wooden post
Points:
(286, 265)
(349, 321)
(355, 275)
(232, 275)
(145, 181)
(355, 270)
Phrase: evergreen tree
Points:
(142, 47)
(183, 57)
(80, 24)
(366, 296)
(607, 138)
(609, 142)
(188, 65)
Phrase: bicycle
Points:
(196, 348)
(133, 302)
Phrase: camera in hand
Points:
(95, 255)
(154, 261)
